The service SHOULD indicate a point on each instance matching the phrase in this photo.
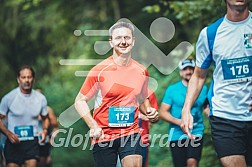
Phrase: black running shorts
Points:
(232, 137)
(106, 153)
(18, 153)
(184, 149)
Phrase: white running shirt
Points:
(231, 52)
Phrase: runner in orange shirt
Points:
(119, 85)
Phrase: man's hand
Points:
(43, 135)
(12, 137)
(96, 133)
(152, 114)
(187, 123)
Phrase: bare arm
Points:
(45, 126)
(11, 136)
(82, 108)
(194, 87)
(206, 108)
(166, 115)
(52, 119)
(143, 107)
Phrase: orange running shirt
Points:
(114, 85)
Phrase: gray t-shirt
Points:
(23, 110)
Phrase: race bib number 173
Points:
(121, 116)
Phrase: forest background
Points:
(45, 33)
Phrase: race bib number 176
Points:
(237, 69)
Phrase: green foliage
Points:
(152, 9)
(72, 147)
(194, 10)
(41, 33)
(190, 11)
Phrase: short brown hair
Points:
(26, 67)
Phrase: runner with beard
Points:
(184, 151)
(22, 107)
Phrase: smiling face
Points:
(25, 80)
(122, 41)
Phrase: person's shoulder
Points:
(103, 65)
(212, 28)
(139, 66)
(174, 86)
(216, 22)
(11, 93)
(38, 94)
(50, 110)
